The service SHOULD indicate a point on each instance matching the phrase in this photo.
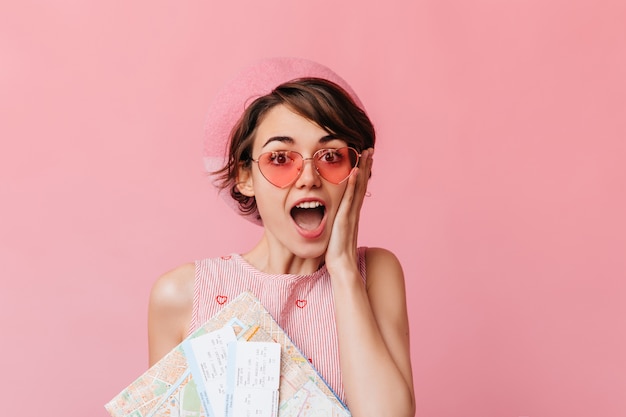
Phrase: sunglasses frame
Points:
(313, 159)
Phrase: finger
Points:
(369, 161)
(366, 162)
(347, 217)
(348, 195)
(365, 166)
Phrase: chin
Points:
(310, 251)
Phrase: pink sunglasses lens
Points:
(280, 168)
(335, 165)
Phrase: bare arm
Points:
(373, 331)
(169, 311)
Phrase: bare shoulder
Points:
(385, 287)
(375, 256)
(174, 289)
(383, 265)
(170, 310)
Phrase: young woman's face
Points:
(298, 217)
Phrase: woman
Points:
(299, 159)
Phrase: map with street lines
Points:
(167, 389)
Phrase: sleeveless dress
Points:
(302, 305)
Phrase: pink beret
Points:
(254, 81)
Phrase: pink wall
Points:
(499, 182)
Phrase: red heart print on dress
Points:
(300, 303)
(221, 299)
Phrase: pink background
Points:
(499, 182)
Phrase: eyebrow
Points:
(289, 140)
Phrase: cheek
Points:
(269, 199)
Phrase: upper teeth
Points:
(309, 204)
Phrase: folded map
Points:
(169, 389)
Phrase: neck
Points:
(276, 259)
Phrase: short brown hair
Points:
(316, 99)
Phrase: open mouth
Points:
(308, 215)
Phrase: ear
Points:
(244, 181)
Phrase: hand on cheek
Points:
(343, 240)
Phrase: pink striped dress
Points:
(301, 304)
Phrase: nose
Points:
(308, 176)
